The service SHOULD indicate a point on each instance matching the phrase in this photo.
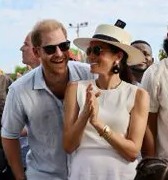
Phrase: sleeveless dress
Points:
(95, 159)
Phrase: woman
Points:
(105, 119)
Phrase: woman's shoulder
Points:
(127, 85)
(142, 94)
(139, 91)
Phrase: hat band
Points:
(104, 37)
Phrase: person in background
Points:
(36, 100)
(152, 169)
(155, 81)
(139, 69)
(108, 118)
(28, 56)
(5, 82)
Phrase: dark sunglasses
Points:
(96, 50)
(50, 49)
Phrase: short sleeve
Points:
(13, 116)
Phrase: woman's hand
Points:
(92, 102)
(91, 106)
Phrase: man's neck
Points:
(138, 75)
(57, 83)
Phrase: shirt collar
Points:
(39, 82)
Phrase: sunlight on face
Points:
(101, 62)
(56, 62)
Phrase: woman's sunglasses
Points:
(50, 49)
(96, 50)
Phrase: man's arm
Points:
(13, 154)
(149, 141)
(150, 83)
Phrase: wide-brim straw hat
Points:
(116, 36)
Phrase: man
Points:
(5, 82)
(35, 100)
(155, 82)
(139, 69)
(28, 56)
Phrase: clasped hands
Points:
(91, 107)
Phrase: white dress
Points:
(95, 159)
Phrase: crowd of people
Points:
(68, 120)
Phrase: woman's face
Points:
(100, 57)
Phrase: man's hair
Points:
(141, 41)
(165, 45)
(44, 26)
(152, 168)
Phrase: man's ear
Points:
(36, 52)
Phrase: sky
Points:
(146, 20)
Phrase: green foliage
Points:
(162, 54)
(75, 51)
(18, 70)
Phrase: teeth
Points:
(58, 61)
(93, 63)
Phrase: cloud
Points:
(145, 20)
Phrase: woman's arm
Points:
(74, 125)
(130, 145)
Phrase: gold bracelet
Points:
(106, 131)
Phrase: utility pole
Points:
(78, 26)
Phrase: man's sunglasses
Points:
(96, 50)
(50, 49)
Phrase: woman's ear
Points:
(120, 55)
(36, 51)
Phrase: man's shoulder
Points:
(164, 63)
(152, 70)
(5, 80)
(24, 81)
(158, 68)
(78, 64)
(80, 71)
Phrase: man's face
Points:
(28, 56)
(53, 61)
(146, 50)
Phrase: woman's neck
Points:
(108, 82)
